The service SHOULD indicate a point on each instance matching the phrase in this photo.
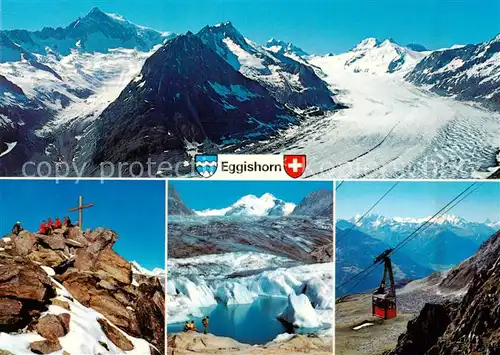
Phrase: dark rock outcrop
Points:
(25, 292)
(150, 311)
(463, 274)
(471, 326)
(274, 68)
(316, 204)
(177, 207)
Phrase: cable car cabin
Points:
(383, 306)
(384, 298)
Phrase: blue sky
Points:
(202, 194)
(418, 199)
(318, 26)
(134, 209)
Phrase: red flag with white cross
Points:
(294, 165)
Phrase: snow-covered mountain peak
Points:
(372, 56)
(223, 30)
(138, 269)
(95, 32)
(275, 45)
(376, 220)
(251, 205)
(367, 43)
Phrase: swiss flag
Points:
(294, 165)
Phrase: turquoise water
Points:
(254, 323)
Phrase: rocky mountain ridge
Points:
(53, 287)
(470, 326)
(469, 73)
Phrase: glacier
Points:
(240, 278)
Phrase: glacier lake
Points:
(254, 323)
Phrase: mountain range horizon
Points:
(417, 46)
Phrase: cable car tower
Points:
(384, 298)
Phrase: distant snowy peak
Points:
(276, 46)
(372, 56)
(95, 32)
(367, 43)
(138, 269)
(251, 205)
(374, 220)
(416, 47)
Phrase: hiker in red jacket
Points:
(57, 223)
(43, 227)
(50, 225)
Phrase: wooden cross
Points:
(80, 208)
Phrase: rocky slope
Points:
(177, 207)
(467, 73)
(55, 289)
(316, 204)
(290, 80)
(471, 326)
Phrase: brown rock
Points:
(101, 238)
(5, 352)
(79, 285)
(47, 257)
(53, 241)
(73, 243)
(24, 243)
(22, 279)
(10, 311)
(61, 303)
(115, 335)
(52, 327)
(85, 260)
(65, 319)
(114, 265)
(76, 234)
(112, 309)
(150, 312)
(45, 346)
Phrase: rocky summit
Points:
(46, 280)
(471, 326)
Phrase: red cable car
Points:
(384, 299)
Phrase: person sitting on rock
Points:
(186, 326)
(50, 225)
(17, 228)
(67, 222)
(43, 227)
(204, 322)
(57, 223)
(193, 327)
